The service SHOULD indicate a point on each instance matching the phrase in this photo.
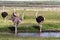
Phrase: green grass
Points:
(52, 21)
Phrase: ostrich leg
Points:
(15, 30)
(40, 31)
(40, 26)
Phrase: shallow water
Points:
(44, 34)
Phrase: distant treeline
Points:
(27, 4)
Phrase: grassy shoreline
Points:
(52, 22)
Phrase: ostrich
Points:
(16, 20)
(4, 14)
(40, 20)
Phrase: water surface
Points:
(44, 34)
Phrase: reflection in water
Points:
(44, 34)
